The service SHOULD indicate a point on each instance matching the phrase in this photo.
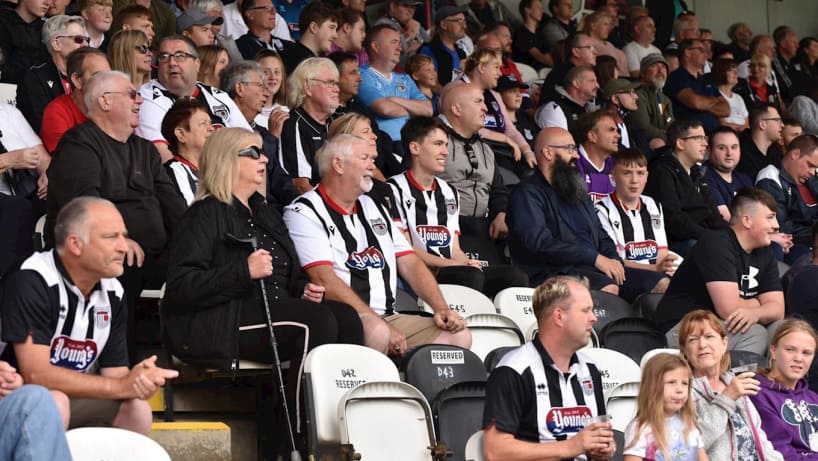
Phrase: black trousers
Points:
(17, 217)
(135, 279)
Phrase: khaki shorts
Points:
(417, 329)
(93, 412)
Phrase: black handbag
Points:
(23, 183)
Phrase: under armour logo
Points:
(50, 83)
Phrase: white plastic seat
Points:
(474, 447)
(515, 302)
(331, 370)
(39, 232)
(616, 368)
(110, 444)
(463, 300)
(621, 403)
(8, 93)
(653, 352)
(387, 404)
(526, 72)
(490, 331)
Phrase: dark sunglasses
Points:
(142, 49)
(133, 94)
(253, 152)
(78, 39)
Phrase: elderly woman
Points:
(730, 425)
(186, 127)
(129, 51)
(787, 406)
(244, 83)
(312, 95)
(755, 88)
(725, 76)
(45, 82)
(213, 310)
(482, 68)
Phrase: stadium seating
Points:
(107, 443)
(494, 357)
(647, 303)
(434, 367)
(632, 336)
(616, 368)
(458, 413)
(608, 307)
(490, 331)
(621, 403)
(474, 447)
(515, 303)
(653, 352)
(463, 300)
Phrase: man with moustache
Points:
(352, 247)
(654, 111)
(554, 229)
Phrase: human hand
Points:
(518, 154)
(24, 159)
(530, 159)
(595, 438)
(135, 254)
(784, 240)
(474, 263)
(42, 186)
(498, 228)
(10, 380)
(611, 268)
(146, 378)
(276, 122)
(260, 263)
(668, 265)
(449, 321)
(741, 385)
(741, 319)
(397, 342)
(313, 292)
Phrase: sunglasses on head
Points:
(252, 152)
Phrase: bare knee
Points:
(134, 415)
(376, 333)
(612, 289)
(462, 338)
(63, 405)
(661, 285)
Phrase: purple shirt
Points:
(598, 182)
(363, 58)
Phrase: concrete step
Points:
(194, 441)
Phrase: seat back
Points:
(527, 72)
(463, 300)
(621, 403)
(474, 447)
(331, 370)
(97, 443)
(434, 367)
(490, 331)
(458, 413)
(653, 352)
(8, 93)
(616, 368)
(39, 232)
(647, 303)
(515, 303)
(494, 357)
(387, 404)
(632, 336)
(608, 307)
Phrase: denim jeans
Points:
(31, 427)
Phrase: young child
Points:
(665, 427)
(634, 221)
(98, 17)
(422, 70)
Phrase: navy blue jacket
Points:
(793, 214)
(541, 241)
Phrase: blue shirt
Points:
(291, 12)
(722, 190)
(427, 50)
(375, 86)
(680, 79)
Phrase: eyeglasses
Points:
(772, 119)
(699, 138)
(133, 94)
(329, 83)
(253, 152)
(178, 56)
(265, 7)
(142, 49)
(78, 39)
(568, 147)
(258, 84)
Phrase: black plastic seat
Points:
(494, 357)
(434, 367)
(632, 336)
(608, 307)
(458, 413)
(647, 303)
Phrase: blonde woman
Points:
(599, 26)
(129, 52)
(755, 89)
(213, 59)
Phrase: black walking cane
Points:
(253, 241)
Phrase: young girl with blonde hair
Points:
(665, 427)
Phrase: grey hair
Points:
(207, 5)
(305, 71)
(99, 83)
(236, 73)
(73, 219)
(338, 146)
(56, 25)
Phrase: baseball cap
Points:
(650, 60)
(619, 85)
(446, 11)
(193, 16)
(507, 82)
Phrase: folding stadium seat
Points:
(653, 352)
(331, 370)
(621, 403)
(647, 303)
(458, 413)
(367, 409)
(463, 300)
(39, 234)
(494, 357)
(96, 443)
(434, 367)
(490, 331)
(632, 336)
(531, 331)
(616, 368)
(474, 447)
(515, 302)
(527, 72)
(619, 438)
(608, 307)
(738, 358)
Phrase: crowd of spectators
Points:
(338, 158)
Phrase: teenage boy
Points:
(634, 221)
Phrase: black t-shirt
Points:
(524, 40)
(717, 256)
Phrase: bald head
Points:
(553, 136)
(490, 42)
(464, 108)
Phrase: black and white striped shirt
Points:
(301, 137)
